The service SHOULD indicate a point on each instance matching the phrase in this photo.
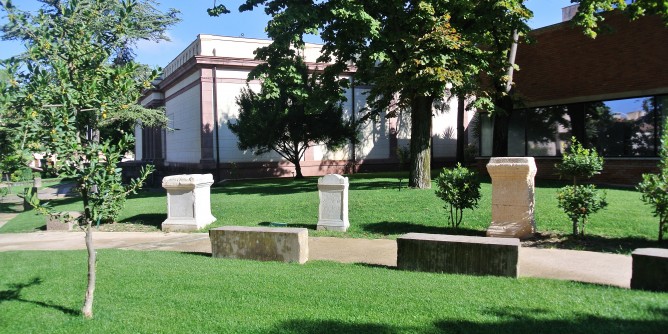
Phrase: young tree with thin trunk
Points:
(66, 87)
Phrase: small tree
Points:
(460, 189)
(579, 201)
(654, 187)
(295, 108)
(75, 79)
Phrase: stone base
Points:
(185, 224)
(650, 269)
(56, 223)
(338, 226)
(510, 230)
(260, 243)
(456, 254)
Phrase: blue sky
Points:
(196, 21)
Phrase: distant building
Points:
(198, 91)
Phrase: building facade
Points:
(610, 92)
(198, 91)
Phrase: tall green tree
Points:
(295, 108)
(66, 87)
(589, 15)
(409, 52)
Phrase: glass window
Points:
(486, 135)
(547, 129)
(516, 134)
(623, 127)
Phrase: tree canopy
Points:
(409, 52)
(589, 12)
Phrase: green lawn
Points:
(378, 209)
(169, 292)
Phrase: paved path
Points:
(591, 267)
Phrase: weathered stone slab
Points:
(456, 254)
(333, 209)
(188, 202)
(58, 222)
(650, 269)
(260, 243)
(512, 197)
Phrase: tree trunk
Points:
(501, 123)
(461, 140)
(576, 233)
(421, 118)
(87, 309)
(298, 170)
(662, 223)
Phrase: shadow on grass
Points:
(148, 219)
(330, 326)
(14, 294)
(11, 207)
(592, 243)
(390, 228)
(266, 187)
(518, 320)
(204, 254)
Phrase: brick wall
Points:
(564, 66)
(616, 171)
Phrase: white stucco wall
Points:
(184, 141)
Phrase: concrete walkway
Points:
(591, 267)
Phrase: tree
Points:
(295, 108)
(654, 187)
(579, 201)
(409, 52)
(66, 87)
(460, 189)
(589, 14)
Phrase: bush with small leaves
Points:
(579, 201)
(654, 187)
(460, 189)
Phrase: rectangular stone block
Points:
(260, 243)
(58, 222)
(457, 254)
(650, 269)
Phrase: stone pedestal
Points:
(333, 209)
(188, 202)
(512, 197)
(62, 221)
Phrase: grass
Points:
(379, 209)
(169, 292)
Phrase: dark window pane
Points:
(622, 128)
(547, 129)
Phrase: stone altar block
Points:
(333, 209)
(188, 202)
(650, 269)
(512, 197)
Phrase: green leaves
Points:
(460, 189)
(589, 15)
(654, 187)
(579, 162)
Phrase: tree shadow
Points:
(390, 228)
(148, 219)
(266, 187)
(594, 243)
(302, 326)
(520, 320)
(306, 226)
(14, 294)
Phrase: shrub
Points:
(460, 189)
(654, 187)
(579, 201)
